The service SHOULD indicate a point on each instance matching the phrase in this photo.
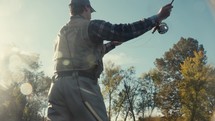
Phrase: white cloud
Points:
(119, 59)
(10, 7)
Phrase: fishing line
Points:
(144, 42)
(162, 28)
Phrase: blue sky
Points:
(32, 25)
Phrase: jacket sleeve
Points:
(100, 30)
(108, 47)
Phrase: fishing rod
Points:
(162, 28)
(172, 2)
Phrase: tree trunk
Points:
(126, 115)
(109, 110)
(132, 112)
(117, 116)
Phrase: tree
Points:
(24, 86)
(120, 86)
(129, 90)
(193, 88)
(12, 104)
(37, 101)
(148, 89)
(210, 87)
(169, 65)
(110, 79)
(169, 68)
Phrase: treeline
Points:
(181, 87)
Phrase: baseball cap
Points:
(83, 2)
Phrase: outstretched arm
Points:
(100, 30)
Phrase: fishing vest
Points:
(74, 50)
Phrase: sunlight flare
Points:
(26, 89)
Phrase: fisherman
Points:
(78, 53)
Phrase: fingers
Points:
(168, 7)
(165, 11)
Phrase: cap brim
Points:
(92, 10)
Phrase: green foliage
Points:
(193, 93)
(120, 91)
(129, 92)
(147, 91)
(110, 79)
(182, 87)
(169, 69)
(169, 65)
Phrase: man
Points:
(75, 95)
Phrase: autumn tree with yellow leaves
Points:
(195, 97)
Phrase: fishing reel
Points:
(162, 28)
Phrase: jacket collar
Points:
(77, 16)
